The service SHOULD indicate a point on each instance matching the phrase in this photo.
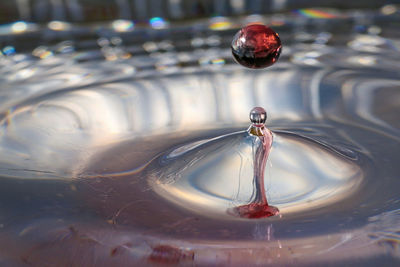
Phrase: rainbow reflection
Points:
(315, 13)
(218, 61)
(158, 23)
(219, 24)
(122, 25)
(8, 50)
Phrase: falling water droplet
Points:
(256, 46)
(258, 206)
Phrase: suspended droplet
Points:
(256, 46)
(258, 116)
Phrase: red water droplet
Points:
(256, 46)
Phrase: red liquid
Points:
(255, 211)
(256, 46)
(164, 254)
(259, 207)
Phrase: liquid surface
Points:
(87, 114)
(215, 175)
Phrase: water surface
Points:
(86, 120)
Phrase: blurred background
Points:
(139, 10)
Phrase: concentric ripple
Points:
(211, 176)
(95, 121)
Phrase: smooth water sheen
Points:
(111, 144)
(217, 175)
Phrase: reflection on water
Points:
(87, 113)
(215, 175)
(87, 10)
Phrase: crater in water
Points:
(213, 175)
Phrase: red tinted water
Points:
(258, 208)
